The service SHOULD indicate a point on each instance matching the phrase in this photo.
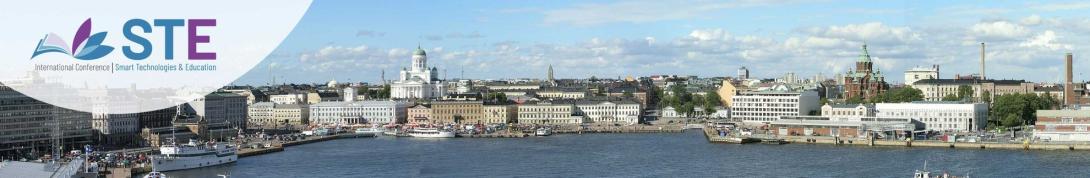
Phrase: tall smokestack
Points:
(982, 61)
(1069, 86)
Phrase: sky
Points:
(355, 41)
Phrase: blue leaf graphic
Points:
(93, 48)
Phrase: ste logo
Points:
(87, 46)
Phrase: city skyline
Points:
(356, 41)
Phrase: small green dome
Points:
(419, 51)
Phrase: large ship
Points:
(193, 155)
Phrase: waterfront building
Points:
(222, 107)
(769, 105)
(450, 112)
(418, 81)
(270, 114)
(936, 89)
(359, 112)
(866, 81)
(623, 111)
(113, 129)
(158, 118)
(726, 91)
(847, 110)
(499, 113)
(420, 114)
(547, 112)
(1062, 125)
(939, 116)
(27, 124)
(850, 127)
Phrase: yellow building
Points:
(445, 112)
(726, 92)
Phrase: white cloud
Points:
(1061, 6)
(642, 11)
(1046, 40)
(999, 30)
(1031, 20)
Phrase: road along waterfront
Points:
(686, 154)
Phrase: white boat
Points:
(367, 132)
(155, 174)
(192, 155)
(543, 131)
(430, 133)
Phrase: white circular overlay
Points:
(111, 57)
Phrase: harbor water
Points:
(685, 154)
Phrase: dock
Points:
(713, 137)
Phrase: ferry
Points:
(430, 133)
(193, 155)
(543, 131)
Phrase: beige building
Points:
(726, 91)
(848, 110)
(272, 114)
(444, 112)
(546, 112)
(420, 114)
(499, 114)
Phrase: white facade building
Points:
(359, 112)
(940, 116)
(614, 112)
(769, 105)
(418, 81)
(919, 73)
(298, 98)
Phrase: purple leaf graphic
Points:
(81, 34)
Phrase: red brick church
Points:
(866, 81)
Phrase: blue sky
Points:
(353, 41)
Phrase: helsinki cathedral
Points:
(419, 81)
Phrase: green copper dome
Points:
(865, 57)
(419, 51)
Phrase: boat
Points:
(193, 155)
(430, 133)
(927, 174)
(367, 132)
(155, 174)
(543, 131)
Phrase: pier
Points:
(713, 137)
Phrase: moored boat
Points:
(543, 131)
(430, 133)
(193, 155)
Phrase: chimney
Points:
(982, 61)
(1069, 86)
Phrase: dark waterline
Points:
(634, 155)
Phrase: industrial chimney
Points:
(982, 61)
(1069, 86)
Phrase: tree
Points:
(1016, 109)
(385, 92)
(713, 99)
(686, 109)
(965, 92)
(628, 94)
(986, 97)
(951, 97)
